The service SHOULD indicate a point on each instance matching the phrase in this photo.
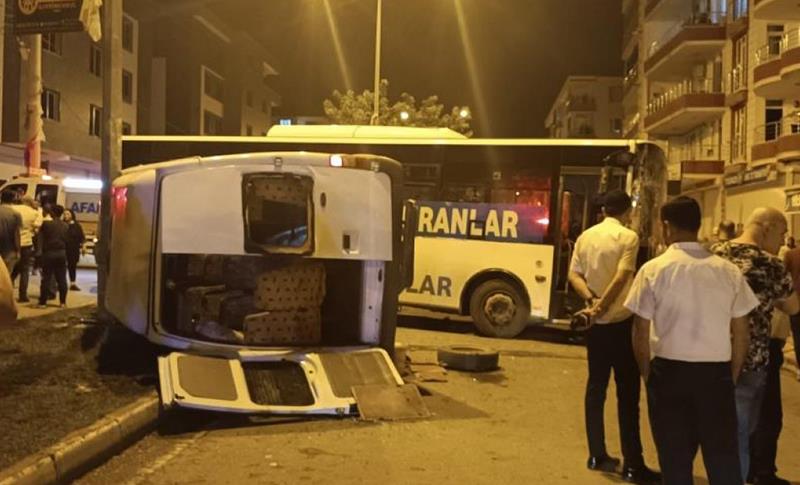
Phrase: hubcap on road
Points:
(499, 309)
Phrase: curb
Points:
(80, 450)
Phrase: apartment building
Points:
(587, 107)
(717, 82)
(201, 76)
(184, 73)
(72, 100)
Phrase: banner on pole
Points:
(46, 16)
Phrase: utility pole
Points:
(111, 161)
(376, 95)
(33, 105)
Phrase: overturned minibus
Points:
(274, 276)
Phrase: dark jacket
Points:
(75, 239)
(53, 236)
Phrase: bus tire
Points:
(498, 309)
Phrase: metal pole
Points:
(111, 162)
(33, 105)
(377, 81)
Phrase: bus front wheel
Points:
(498, 309)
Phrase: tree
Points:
(350, 108)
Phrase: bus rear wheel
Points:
(498, 309)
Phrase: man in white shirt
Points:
(601, 271)
(31, 222)
(695, 301)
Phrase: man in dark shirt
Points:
(10, 225)
(53, 236)
(754, 252)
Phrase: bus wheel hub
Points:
(500, 309)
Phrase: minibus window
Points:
(278, 212)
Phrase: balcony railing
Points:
(631, 78)
(698, 152)
(697, 19)
(737, 9)
(631, 124)
(773, 50)
(688, 86)
(788, 125)
(737, 79)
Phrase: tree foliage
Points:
(350, 108)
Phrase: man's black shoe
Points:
(640, 475)
(770, 480)
(602, 463)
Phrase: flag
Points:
(90, 18)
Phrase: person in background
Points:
(601, 271)
(726, 231)
(693, 302)
(31, 221)
(790, 243)
(754, 252)
(54, 256)
(75, 239)
(792, 262)
(10, 226)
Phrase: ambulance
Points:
(274, 277)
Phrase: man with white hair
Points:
(755, 253)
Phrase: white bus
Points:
(496, 217)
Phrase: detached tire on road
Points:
(499, 309)
(471, 359)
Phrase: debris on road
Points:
(466, 358)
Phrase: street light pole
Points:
(377, 81)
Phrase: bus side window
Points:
(21, 189)
(46, 193)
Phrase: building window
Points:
(774, 38)
(127, 34)
(739, 131)
(773, 113)
(126, 128)
(249, 98)
(213, 85)
(95, 120)
(96, 60)
(51, 104)
(616, 126)
(127, 86)
(249, 130)
(212, 124)
(265, 107)
(52, 42)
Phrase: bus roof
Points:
(362, 132)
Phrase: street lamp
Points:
(377, 80)
(404, 115)
(464, 113)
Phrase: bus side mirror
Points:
(410, 212)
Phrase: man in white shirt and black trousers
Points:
(691, 312)
(601, 272)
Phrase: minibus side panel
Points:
(133, 213)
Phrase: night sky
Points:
(521, 51)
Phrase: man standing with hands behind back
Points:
(696, 301)
(601, 272)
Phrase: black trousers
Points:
(764, 441)
(609, 347)
(692, 404)
(23, 269)
(795, 319)
(53, 266)
(72, 267)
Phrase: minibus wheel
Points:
(498, 309)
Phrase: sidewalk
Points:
(87, 281)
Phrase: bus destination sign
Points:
(487, 222)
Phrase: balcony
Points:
(581, 103)
(697, 39)
(779, 140)
(777, 72)
(736, 86)
(776, 9)
(684, 107)
(699, 162)
(630, 127)
(738, 20)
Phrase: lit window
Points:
(51, 105)
(95, 120)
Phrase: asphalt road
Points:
(522, 424)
